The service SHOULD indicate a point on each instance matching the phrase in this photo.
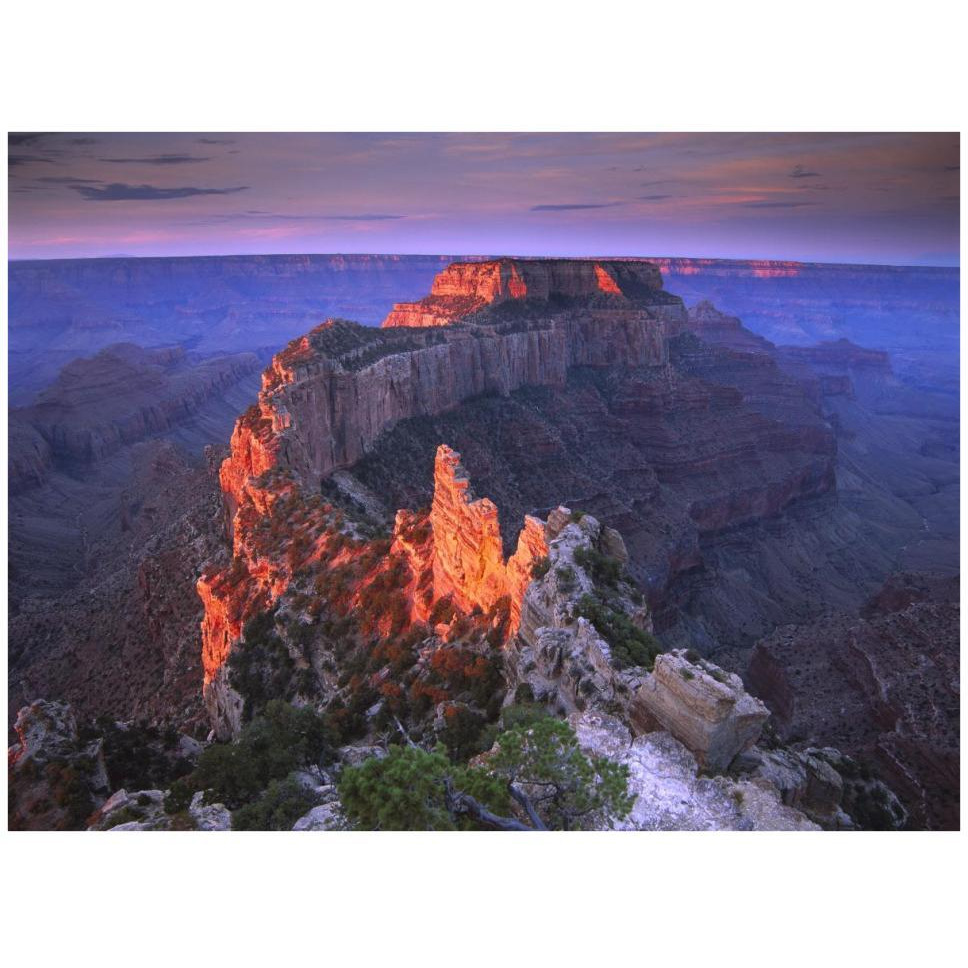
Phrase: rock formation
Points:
(463, 288)
(704, 707)
(120, 396)
(670, 793)
(707, 322)
(55, 778)
(468, 558)
(327, 398)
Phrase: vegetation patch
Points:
(630, 645)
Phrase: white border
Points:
(482, 899)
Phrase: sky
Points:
(862, 198)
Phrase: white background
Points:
(484, 899)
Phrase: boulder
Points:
(705, 708)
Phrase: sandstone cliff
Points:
(463, 288)
(327, 398)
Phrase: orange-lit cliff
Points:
(699, 439)
(329, 395)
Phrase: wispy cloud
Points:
(14, 160)
(800, 172)
(157, 160)
(653, 198)
(215, 141)
(117, 192)
(776, 204)
(569, 207)
(67, 180)
(16, 139)
(258, 216)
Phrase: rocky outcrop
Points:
(669, 792)
(145, 810)
(450, 554)
(468, 559)
(328, 397)
(704, 707)
(463, 288)
(559, 654)
(56, 779)
(713, 326)
(567, 661)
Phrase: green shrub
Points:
(603, 569)
(270, 747)
(566, 577)
(260, 666)
(406, 790)
(463, 732)
(282, 804)
(540, 567)
(630, 645)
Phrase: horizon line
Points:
(487, 257)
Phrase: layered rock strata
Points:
(328, 397)
(120, 396)
(463, 288)
(704, 707)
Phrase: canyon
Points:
(744, 483)
(62, 309)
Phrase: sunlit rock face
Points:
(468, 559)
(466, 287)
(452, 552)
(329, 395)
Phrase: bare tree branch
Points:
(525, 803)
(463, 803)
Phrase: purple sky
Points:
(878, 198)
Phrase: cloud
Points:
(572, 207)
(117, 192)
(157, 160)
(653, 198)
(14, 160)
(257, 216)
(66, 180)
(360, 218)
(776, 204)
(952, 167)
(800, 172)
(17, 139)
(82, 141)
(215, 141)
